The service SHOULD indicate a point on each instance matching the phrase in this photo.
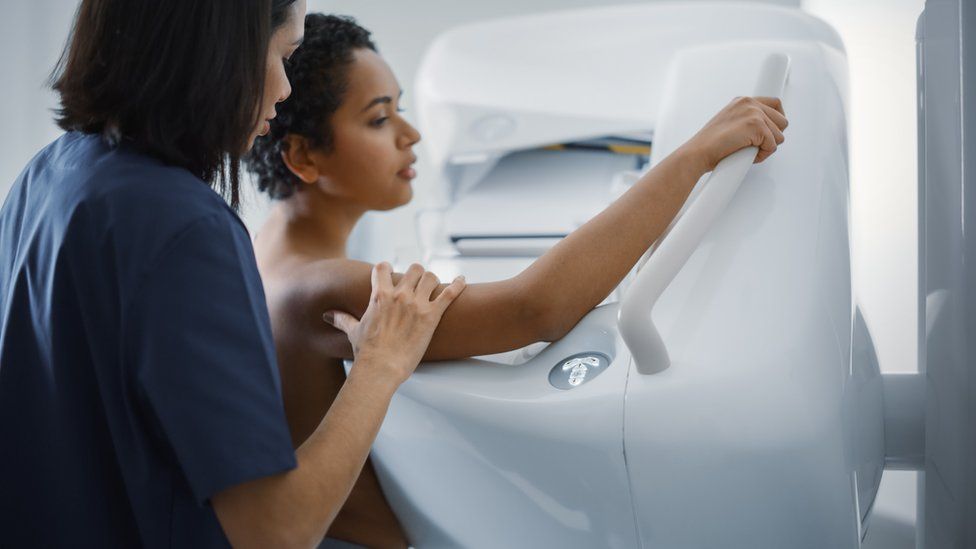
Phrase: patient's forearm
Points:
(581, 270)
(548, 298)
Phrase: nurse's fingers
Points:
(343, 321)
(411, 278)
(428, 283)
(450, 293)
(382, 278)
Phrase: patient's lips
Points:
(408, 172)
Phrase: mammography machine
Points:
(727, 394)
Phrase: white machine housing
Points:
(767, 429)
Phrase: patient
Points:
(340, 147)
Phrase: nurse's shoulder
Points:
(115, 212)
(130, 198)
(137, 185)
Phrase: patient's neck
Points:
(314, 225)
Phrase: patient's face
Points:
(370, 163)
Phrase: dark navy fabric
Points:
(137, 369)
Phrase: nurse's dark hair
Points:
(182, 80)
(318, 73)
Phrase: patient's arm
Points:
(547, 299)
(540, 304)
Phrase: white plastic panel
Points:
(744, 441)
(485, 454)
(539, 193)
(686, 231)
(522, 82)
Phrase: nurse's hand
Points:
(745, 122)
(396, 328)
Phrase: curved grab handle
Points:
(635, 324)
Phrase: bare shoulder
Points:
(321, 285)
(332, 275)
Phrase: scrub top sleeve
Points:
(199, 340)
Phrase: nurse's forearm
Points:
(297, 507)
(335, 453)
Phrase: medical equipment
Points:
(728, 393)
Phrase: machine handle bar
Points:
(635, 323)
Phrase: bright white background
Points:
(879, 35)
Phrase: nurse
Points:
(140, 400)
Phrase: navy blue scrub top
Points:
(137, 370)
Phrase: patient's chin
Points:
(395, 199)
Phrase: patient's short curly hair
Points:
(318, 73)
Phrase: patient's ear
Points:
(296, 155)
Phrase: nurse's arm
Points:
(296, 508)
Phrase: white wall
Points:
(879, 36)
(32, 34)
(880, 40)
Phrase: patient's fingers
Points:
(768, 145)
(450, 293)
(777, 137)
(776, 116)
(341, 320)
(773, 102)
(777, 133)
(428, 283)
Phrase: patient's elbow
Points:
(540, 312)
(550, 322)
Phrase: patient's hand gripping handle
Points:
(636, 326)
